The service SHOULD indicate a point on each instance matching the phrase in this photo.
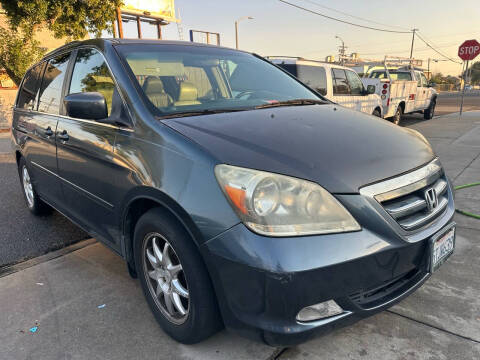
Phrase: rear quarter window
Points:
(314, 76)
(27, 95)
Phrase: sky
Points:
(280, 29)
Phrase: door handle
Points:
(63, 136)
(48, 131)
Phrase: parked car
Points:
(237, 195)
(337, 83)
(403, 90)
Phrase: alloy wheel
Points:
(165, 278)
(27, 187)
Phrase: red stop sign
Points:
(469, 50)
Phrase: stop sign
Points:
(469, 50)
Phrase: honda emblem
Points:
(431, 198)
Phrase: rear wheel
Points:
(397, 118)
(430, 111)
(174, 279)
(377, 113)
(34, 203)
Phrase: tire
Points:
(33, 201)
(186, 288)
(397, 118)
(430, 111)
(376, 113)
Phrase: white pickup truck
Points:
(337, 83)
(403, 90)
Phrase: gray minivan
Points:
(236, 194)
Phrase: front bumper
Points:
(262, 283)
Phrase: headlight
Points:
(278, 205)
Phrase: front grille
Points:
(388, 291)
(415, 199)
(411, 210)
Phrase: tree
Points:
(65, 18)
(17, 52)
(70, 19)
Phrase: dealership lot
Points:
(64, 297)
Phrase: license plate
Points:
(441, 248)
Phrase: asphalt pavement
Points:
(23, 235)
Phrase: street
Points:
(85, 305)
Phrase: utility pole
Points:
(236, 28)
(341, 50)
(413, 41)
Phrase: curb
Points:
(11, 269)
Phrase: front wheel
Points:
(174, 279)
(430, 111)
(397, 118)
(376, 113)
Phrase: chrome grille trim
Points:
(403, 198)
(404, 184)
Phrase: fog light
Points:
(319, 311)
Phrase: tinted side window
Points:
(91, 74)
(291, 68)
(28, 92)
(51, 90)
(314, 76)
(356, 85)
(340, 84)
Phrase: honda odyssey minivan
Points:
(236, 194)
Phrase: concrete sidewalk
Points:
(62, 297)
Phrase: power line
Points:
(438, 52)
(343, 21)
(352, 16)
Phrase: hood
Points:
(340, 149)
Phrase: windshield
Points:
(177, 79)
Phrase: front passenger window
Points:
(91, 74)
(356, 85)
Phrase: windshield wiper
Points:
(200, 112)
(294, 102)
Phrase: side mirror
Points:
(371, 89)
(86, 105)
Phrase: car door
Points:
(41, 151)
(427, 90)
(421, 93)
(341, 88)
(85, 151)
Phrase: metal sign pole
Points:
(464, 84)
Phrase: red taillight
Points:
(388, 101)
(385, 86)
(384, 92)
